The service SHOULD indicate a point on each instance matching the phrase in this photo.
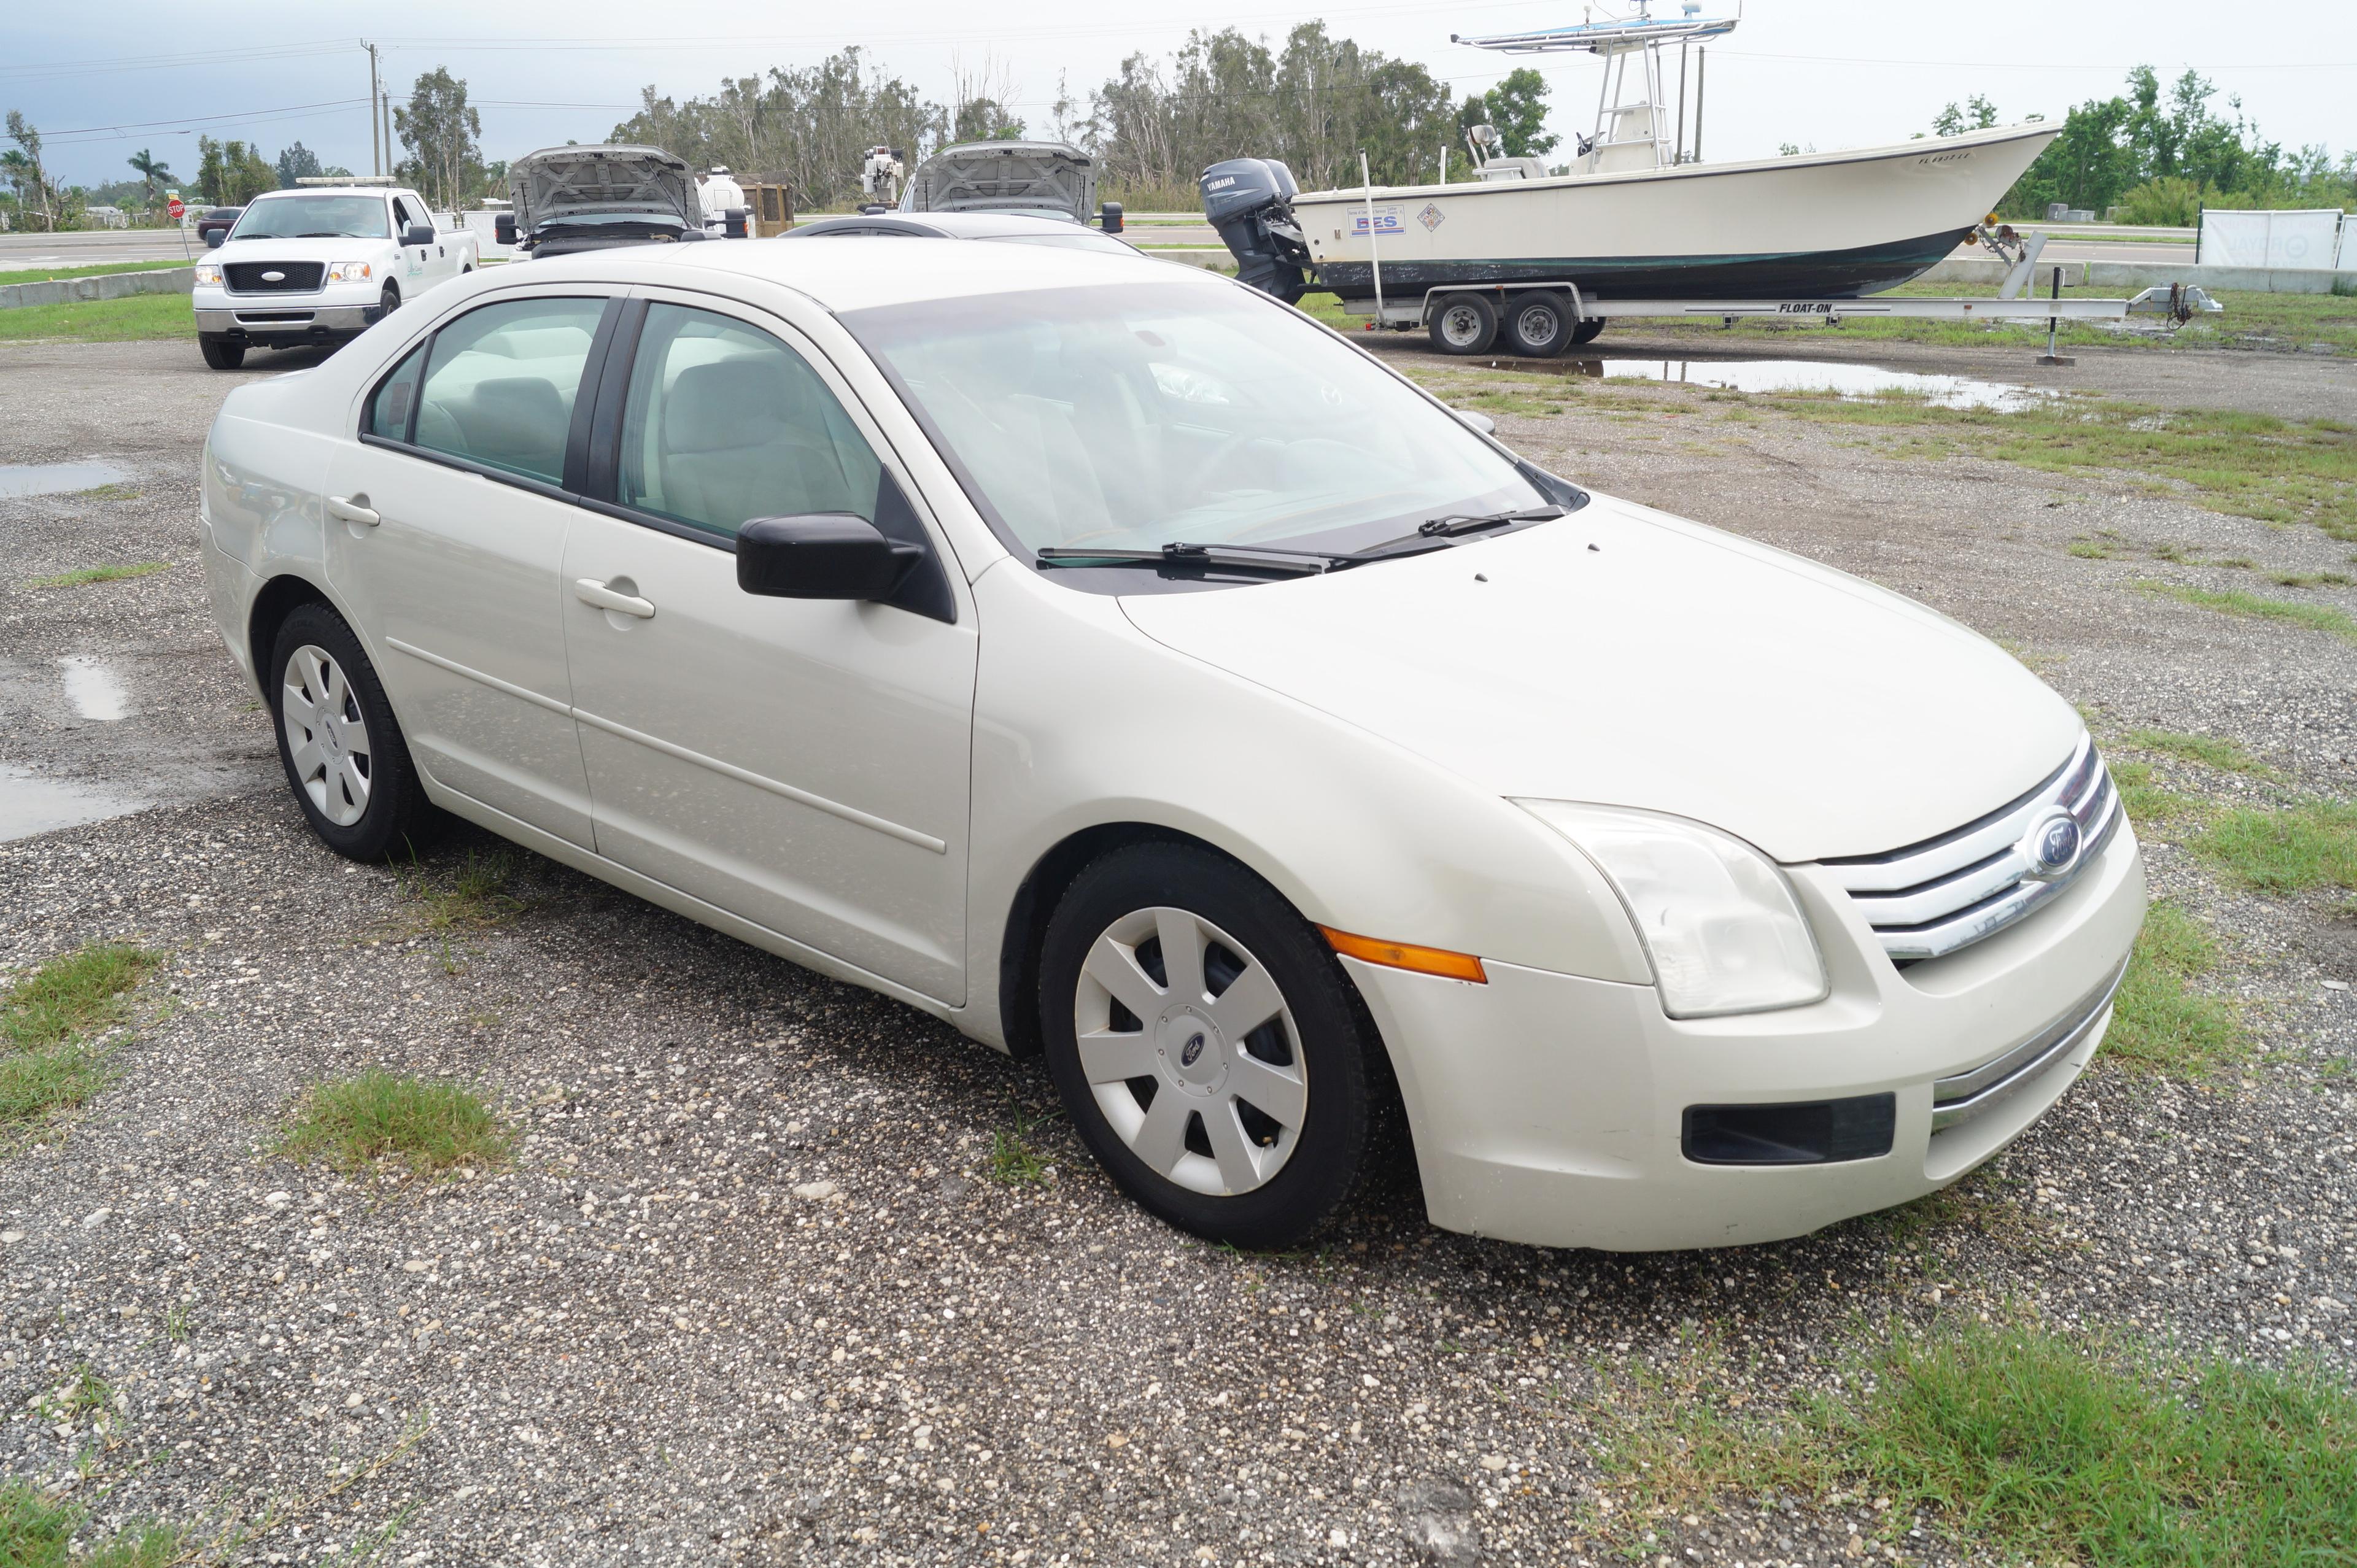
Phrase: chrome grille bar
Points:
(1959, 1099)
(1947, 893)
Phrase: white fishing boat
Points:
(1637, 215)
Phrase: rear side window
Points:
(725, 424)
(396, 397)
(501, 385)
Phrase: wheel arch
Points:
(278, 599)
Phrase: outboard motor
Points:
(1248, 200)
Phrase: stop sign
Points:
(177, 207)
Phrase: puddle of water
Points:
(30, 804)
(56, 479)
(94, 688)
(1803, 375)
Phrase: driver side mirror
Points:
(418, 234)
(732, 223)
(821, 556)
(1481, 422)
(1109, 216)
(215, 238)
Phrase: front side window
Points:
(501, 385)
(313, 218)
(1133, 416)
(396, 396)
(723, 424)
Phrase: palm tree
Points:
(148, 167)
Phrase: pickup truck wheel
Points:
(219, 352)
(387, 302)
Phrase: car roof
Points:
(947, 225)
(857, 271)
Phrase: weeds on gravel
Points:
(1013, 1160)
(2146, 801)
(2293, 850)
(37, 1531)
(2234, 602)
(85, 576)
(46, 1022)
(2210, 751)
(2158, 1023)
(2092, 1451)
(431, 1127)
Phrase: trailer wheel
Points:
(1464, 324)
(1538, 325)
(1587, 331)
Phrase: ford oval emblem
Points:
(2053, 847)
(273, 277)
(1192, 1051)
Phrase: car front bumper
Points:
(1551, 1109)
(293, 318)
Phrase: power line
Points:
(167, 127)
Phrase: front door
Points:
(456, 582)
(799, 762)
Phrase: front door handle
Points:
(345, 509)
(590, 591)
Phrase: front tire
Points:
(342, 751)
(1464, 324)
(220, 353)
(1206, 1045)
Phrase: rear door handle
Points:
(590, 591)
(344, 508)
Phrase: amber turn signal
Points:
(1407, 955)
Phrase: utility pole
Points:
(376, 158)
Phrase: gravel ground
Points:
(750, 1290)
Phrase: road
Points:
(95, 247)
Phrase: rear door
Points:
(799, 762)
(462, 457)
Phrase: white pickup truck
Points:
(320, 264)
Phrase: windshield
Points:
(322, 217)
(1132, 417)
(1078, 240)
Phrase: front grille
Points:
(1947, 893)
(294, 277)
(1957, 1099)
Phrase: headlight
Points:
(348, 272)
(209, 272)
(1725, 933)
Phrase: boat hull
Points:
(1826, 226)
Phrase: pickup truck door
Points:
(422, 266)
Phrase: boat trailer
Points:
(1465, 319)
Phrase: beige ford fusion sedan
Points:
(1115, 663)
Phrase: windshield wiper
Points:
(1434, 532)
(1258, 558)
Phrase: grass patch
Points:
(101, 269)
(2234, 602)
(2025, 1445)
(86, 575)
(140, 317)
(428, 1126)
(473, 897)
(2311, 579)
(47, 1063)
(2238, 464)
(1013, 1160)
(37, 1530)
(2146, 801)
(2096, 550)
(2158, 1023)
(2208, 750)
(2294, 850)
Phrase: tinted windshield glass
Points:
(1132, 417)
(286, 217)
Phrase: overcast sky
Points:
(103, 82)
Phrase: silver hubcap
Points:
(326, 735)
(1190, 1051)
(1541, 325)
(1461, 324)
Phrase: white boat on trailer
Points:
(1537, 262)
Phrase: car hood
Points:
(984, 176)
(1623, 657)
(623, 181)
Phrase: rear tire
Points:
(1538, 325)
(1248, 1118)
(1463, 324)
(1587, 331)
(341, 749)
(219, 352)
